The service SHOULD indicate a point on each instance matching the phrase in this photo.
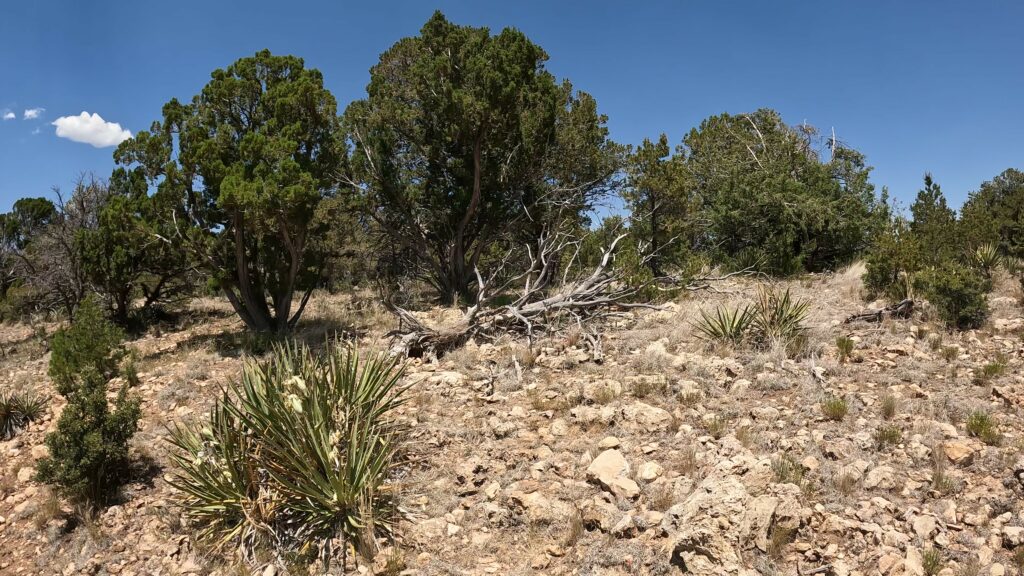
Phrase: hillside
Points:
(668, 456)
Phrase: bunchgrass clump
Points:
(17, 409)
(982, 426)
(787, 470)
(844, 344)
(297, 454)
(834, 408)
(889, 405)
(887, 435)
(931, 561)
(950, 353)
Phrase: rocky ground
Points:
(666, 457)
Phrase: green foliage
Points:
(995, 214)
(957, 292)
(887, 435)
(129, 253)
(17, 410)
(844, 344)
(931, 561)
(726, 326)
(299, 451)
(662, 204)
(787, 470)
(834, 408)
(891, 261)
(89, 449)
(778, 318)
(934, 225)
(465, 141)
(811, 214)
(245, 165)
(89, 349)
(981, 425)
(986, 258)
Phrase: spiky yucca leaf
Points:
(298, 452)
(725, 325)
(987, 257)
(17, 410)
(778, 318)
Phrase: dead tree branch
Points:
(902, 309)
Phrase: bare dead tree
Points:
(599, 293)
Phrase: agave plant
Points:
(778, 318)
(987, 257)
(725, 325)
(300, 451)
(17, 410)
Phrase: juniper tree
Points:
(248, 161)
(465, 141)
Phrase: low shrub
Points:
(834, 408)
(88, 452)
(300, 451)
(982, 426)
(844, 344)
(958, 294)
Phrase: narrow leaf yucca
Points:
(300, 451)
(724, 325)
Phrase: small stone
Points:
(880, 477)
(925, 527)
(959, 452)
(649, 471)
(810, 463)
(609, 442)
(26, 473)
(1013, 536)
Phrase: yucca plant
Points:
(778, 318)
(301, 450)
(17, 410)
(724, 325)
(987, 257)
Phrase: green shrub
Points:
(845, 346)
(887, 435)
(891, 262)
(17, 410)
(981, 425)
(834, 408)
(298, 452)
(957, 292)
(89, 450)
(88, 350)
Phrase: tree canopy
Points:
(248, 161)
(465, 138)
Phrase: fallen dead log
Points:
(902, 309)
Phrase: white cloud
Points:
(91, 129)
(8, 115)
(32, 113)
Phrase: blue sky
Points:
(917, 86)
